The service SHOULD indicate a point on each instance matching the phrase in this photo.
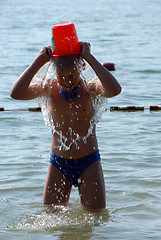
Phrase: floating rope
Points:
(112, 108)
(31, 109)
(134, 108)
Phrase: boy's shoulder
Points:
(49, 83)
(44, 86)
(95, 86)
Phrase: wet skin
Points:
(72, 118)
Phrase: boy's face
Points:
(68, 75)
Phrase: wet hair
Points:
(62, 62)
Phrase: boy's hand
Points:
(85, 49)
(45, 54)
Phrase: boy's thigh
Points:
(57, 187)
(92, 187)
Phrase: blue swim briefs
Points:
(73, 168)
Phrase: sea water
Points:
(126, 33)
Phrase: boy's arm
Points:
(109, 82)
(21, 89)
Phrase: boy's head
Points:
(68, 70)
(62, 62)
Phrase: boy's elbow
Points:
(11, 93)
(15, 96)
(118, 91)
(114, 92)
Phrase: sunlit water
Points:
(126, 33)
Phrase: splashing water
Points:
(48, 71)
(57, 218)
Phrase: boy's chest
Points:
(73, 110)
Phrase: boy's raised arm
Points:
(109, 82)
(21, 89)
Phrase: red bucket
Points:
(64, 39)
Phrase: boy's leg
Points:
(92, 187)
(57, 187)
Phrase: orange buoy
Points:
(64, 39)
(109, 65)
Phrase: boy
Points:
(71, 108)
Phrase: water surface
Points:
(126, 33)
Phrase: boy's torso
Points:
(72, 118)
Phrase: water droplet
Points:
(79, 181)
